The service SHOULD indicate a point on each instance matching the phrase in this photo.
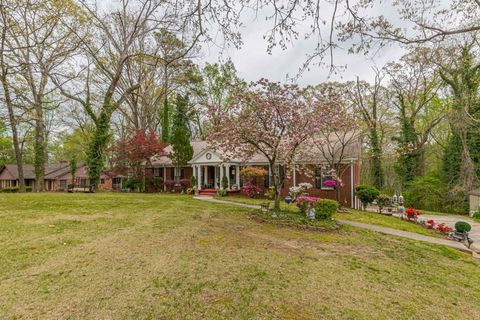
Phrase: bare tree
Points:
(415, 83)
(39, 43)
(6, 9)
(371, 102)
(335, 142)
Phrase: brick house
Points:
(57, 177)
(209, 167)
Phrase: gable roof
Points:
(307, 154)
(51, 170)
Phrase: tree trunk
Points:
(97, 146)
(13, 126)
(40, 149)
(376, 159)
(278, 188)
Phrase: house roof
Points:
(307, 153)
(52, 171)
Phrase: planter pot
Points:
(288, 200)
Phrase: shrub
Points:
(304, 186)
(225, 183)
(133, 184)
(251, 173)
(270, 194)
(430, 224)
(462, 226)
(158, 182)
(185, 183)
(193, 181)
(303, 202)
(476, 215)
(325, 209)
(250, 189)
(169, 184)
(383, 201)
(366, 193)
(222, 192)
(412, 213)
(443, 228)
(9, 190)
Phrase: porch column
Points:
(228, 175)
(199, 177)
(205, 174)
(237, 176)
(221, 176)
(164, 179)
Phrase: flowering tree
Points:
(335, 141)
(132, 154)
(269, 119)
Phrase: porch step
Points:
(207, 192)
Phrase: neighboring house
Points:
(209, 167)
(9, 175)
(57, 177)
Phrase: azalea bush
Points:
(430, 224)
(185, 183)
(250, 189)
(301, 189)
(443, 228)
(331, 183)
(169, 184)
(412, 213)
(252, 173)
(303, 202)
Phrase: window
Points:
(323, 174)
(172, 173)
(116, 183)
(63, 184)
(102, 181)
(266, 178)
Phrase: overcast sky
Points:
(253, 62)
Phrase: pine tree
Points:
(180, 135)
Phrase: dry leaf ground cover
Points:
(147, 256)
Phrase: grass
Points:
(131, 256)
(354, 215)
(386, 221)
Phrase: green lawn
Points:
(354, 215)
(131, 256)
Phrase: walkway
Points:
(394, 232)
(450, 221)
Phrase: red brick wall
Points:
(345, 191)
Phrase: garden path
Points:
(394, 232)
(450, 221)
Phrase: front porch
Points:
(210, 176)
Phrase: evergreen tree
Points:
(180, 136)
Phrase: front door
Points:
(210, 177)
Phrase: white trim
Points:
(352, 185)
